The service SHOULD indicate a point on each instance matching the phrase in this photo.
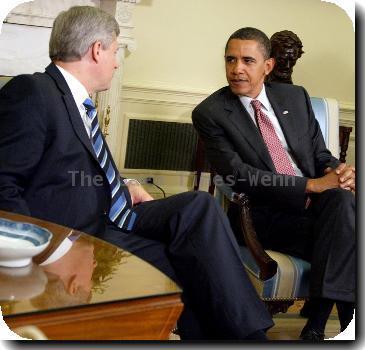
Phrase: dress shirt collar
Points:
(78, 90)
(262, 97)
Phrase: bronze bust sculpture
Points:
(286, 48)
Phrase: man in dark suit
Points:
(265, 141)
(55, 165)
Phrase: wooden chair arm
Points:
(267, 265)
(344, 136)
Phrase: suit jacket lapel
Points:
(72, 109)
(286, 117)
(245, 125)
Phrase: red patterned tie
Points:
(277, 152)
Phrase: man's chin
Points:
(238, 91)
(104, 88)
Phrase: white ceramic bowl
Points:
(20, 241)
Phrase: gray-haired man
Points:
(49, 133)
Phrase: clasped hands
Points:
(341, 177)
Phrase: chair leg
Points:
(344, 136)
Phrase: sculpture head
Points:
(286, 48)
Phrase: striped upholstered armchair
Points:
(279, 279)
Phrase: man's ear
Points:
(269, 65)
(72, 287)
(95, 51)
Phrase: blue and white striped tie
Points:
(120, 212)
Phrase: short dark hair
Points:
(249, 33)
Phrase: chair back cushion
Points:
(326, 111)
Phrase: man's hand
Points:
(341, 177)
(138, 193)
(346, 174)
(330, 180)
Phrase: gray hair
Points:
(76, 29)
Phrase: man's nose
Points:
(238, 67)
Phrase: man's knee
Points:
(199, 201)
(340, 196)
(199, 196)
(337, 202)
(204, 199)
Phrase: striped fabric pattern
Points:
(120, 213)
(14, 231)
(290, 282)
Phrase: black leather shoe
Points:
(309, 334)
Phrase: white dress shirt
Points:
(79, 94)
(268, 110)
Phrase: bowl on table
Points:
(20, 241)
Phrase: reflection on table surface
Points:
(82, 270)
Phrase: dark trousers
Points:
(324, 235)
(188, 237)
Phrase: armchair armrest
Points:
(267, 265)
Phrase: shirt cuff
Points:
(135, 182)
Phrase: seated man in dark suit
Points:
(50, 142)
(265, 139)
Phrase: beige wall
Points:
(179, 59)
(181, 43)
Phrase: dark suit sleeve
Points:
(22, 140)
(263, 186)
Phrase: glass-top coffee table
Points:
(82, 288)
